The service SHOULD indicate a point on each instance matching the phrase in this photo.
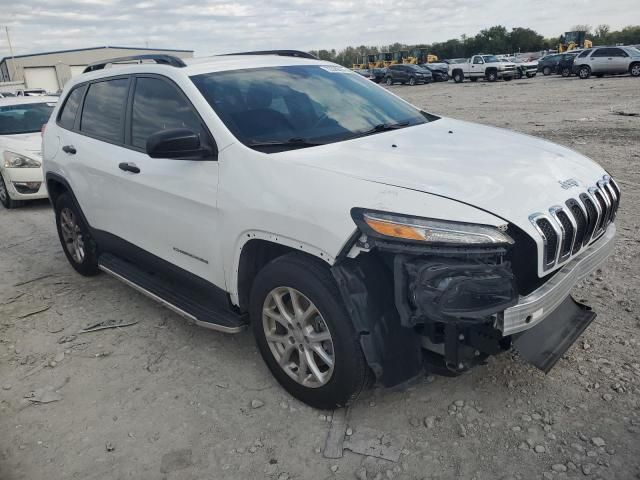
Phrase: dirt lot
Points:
(162, 399)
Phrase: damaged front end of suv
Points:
(444, 295)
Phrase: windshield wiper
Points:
(292, 142)
(382, 127)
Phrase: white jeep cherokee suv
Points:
(296, 196)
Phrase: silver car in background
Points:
(600, 61)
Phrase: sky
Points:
(223, 26)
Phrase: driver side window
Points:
(158, 105)
(477, 60)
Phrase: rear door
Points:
(619, 60)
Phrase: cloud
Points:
(218, 26)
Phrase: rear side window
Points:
(158, 105)
(103, 111)
(68, 115)
(618, 52)
(584, 54)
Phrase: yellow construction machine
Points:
(572, 40)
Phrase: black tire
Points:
(313, 279)
(474, 79)
(388, 81)
(565, 72)
(412, 81)
(584, 72)
(531, 75)
(88, 266)
(458, 77)
(5, 198)
(518, 74)
(546, 71)
(491, 76)
(634, 69)
(507, 79)
(599, 75)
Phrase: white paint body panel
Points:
(446, 169)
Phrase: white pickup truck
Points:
(488, 67)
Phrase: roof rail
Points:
(162, 59)
(281, 53)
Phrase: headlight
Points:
(15, 160)
(427, 230)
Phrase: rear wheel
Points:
(75, 238)
(458, 77)
(566, 72)
(634, 70)
(304, 332)
(584, 72)
(546, 71)
(5, 198)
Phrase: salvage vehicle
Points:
(362, 238)
(488, 67)
(21, 120)
(407, 74)
(607, 61)
(524, 68)
(439, 71)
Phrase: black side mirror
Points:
(178, 143)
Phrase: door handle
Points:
(129, 167)
(70, 149)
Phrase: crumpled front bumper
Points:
(535, 307)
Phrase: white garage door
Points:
(41, 77)
(77, 69)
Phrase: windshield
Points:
(302, 105)
(490, 58)
(29, 118)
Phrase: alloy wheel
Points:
(72, 235)
(4, 195)
(298, 337)
(584, 72)
(635, 70)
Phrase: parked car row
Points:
(597, 61)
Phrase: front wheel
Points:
(546, 71)
(389, 81)
(75, 238)
(412, 81)
(491, 76)
(304, 332)
(518, 74)
(566, 72)
(507, 79)
(634, 70)
(584, 72)
(5, 198)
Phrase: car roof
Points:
(8, 101)
(196, 66)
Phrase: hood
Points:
(508, 174)
(29, 144)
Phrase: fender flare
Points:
(245, 237)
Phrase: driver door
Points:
(171, 204)
(477, 66)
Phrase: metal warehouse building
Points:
(51, 70)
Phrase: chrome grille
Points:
(567, 229)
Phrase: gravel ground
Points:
(161, 399)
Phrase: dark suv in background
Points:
(407, 73)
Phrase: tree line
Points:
(496, 39)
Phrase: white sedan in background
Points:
(21, 120)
